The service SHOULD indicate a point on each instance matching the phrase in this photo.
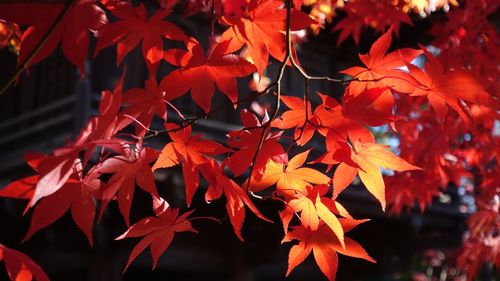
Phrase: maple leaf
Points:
(314, 208)
(236, 197)
(324, 246)
(133, 25)
(201, 73)
(262, 30)
(247, 143)
(383, 68)
(20, 267)
(72, 31)
(102, 129)
(158, 232)
(362, 160)
(289, 177)
(296, 118)
(76, 195)
(54, 171)
(450, 88)
(189, 150)
(127, 169)
(336, 121)
(144, 104)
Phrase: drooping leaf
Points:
(77, 195)
(158, 233)
(236, 197)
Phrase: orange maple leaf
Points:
(296, 118)
(314, 208)
(362, 160)
(324, 246)
(289, 178)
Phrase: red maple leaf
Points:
(72, 31)
(340, 121)
(76, 193)
(127, 169)
(451, 88)
(236, 197)
(382, 68)
(144, 104)
(262, 30)
(192, 152)
(20, 267)
(247, 143)
(158, 232)
(201, 73)
(133, 25)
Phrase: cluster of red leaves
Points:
(482, 243)
(380, 15)
(103, 164)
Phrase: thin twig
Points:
(267, 125)
(306, 109)
(190, 121)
